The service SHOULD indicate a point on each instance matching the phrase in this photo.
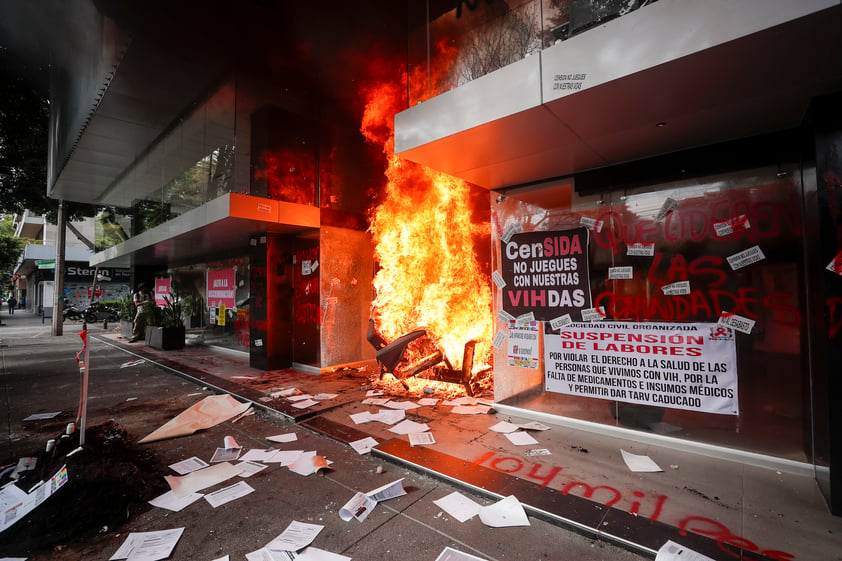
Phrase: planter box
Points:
(165, 338)
(126, 329)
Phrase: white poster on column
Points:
(683, 366)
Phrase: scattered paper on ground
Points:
(449, 554)
(201, 479)
(228, 494)
(309, 554)
(376, 401)
(389, 416)
(173, 502)
(287, 437)
(258, 455)
(207, 413)
(408, 427)
(297, 535)
(305, 403)
(364, 445)
(388, 491)
(286, 457)
(520, 438)
(190, 464)
(359, 507)
(672, 551)
(427, 401)
(225, 455)
(533, 425)
(42, 416)
(15, 503)
(229, 442)
(373, 393)
(308, 463)
(471, 409)
(324, 396)
(503, 426)
(458, 506)
(421, 438)
(250, 468)
(299, 397)
(132, 363)
(149, 546)
(405, 405)
(504, 513)
(465, 400)
(636, 462)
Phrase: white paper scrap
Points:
(503, 426)
(148, 546)
(388, 491)
(389, 416)
(42, 416)
(250, 468)
(224, 558)
(498, 279)
(132, 363)
(533, 425)
(376, 401)
(640, 463)
(672, 551)
(746, 258)
(471, 409)
(427, 401)
(373, 393)
(450, 554)
(360, 418)
(511, 230)
(593, 314)
(258, 455)
(504, 316)
(728, 227)
(364, 445)
(305, 403)
(669, 205)
(225, 455)
(324, 396)
(641, 249)
(308, 463)
(561, 321)
(521, 438)
(620, 273)
(201, 479)
(679, 288)
(408, 427)
(458, 506)
(173, 502)
(504, 513)
(359, 507)
(316, 554)
(734, 321)
(299, 397)
(285, 457)
(421, 439)
(591, 223)
(499, 337)
(228, 494)
(405, 405)
(287, 437)
(297, 535)
(464, 400)
(835, 265)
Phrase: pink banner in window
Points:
(222, 286)
(163, 288)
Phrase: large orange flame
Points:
(424, 237)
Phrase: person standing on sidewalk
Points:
(141, 300)
(13, 302)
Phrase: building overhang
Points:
(223, 225)
(37, 252)
(674, 75)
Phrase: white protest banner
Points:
(689, 366)
(523, 345)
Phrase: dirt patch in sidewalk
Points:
(109, 481)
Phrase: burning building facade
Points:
(574, 205)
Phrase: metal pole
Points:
(58, 284)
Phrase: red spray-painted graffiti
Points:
(654, 506)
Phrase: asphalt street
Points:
(40, 375)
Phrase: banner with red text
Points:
(689, 366)
(545, 273)
(222, 288)
(163, 287)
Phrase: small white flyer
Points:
(591, 223)
(740, 323)
(499, 337)
(511, 230)
(679, 288)
(228, 494)
(641, 249)
(620, 273)
(498, 279)
(364, 445)
(745, 258)
(732, 225)
(636, 462)
(520, 438)
(669, 205)
(421, 439)
(593, 314)
(835, 265)
(505, 316)
(561, 321)
(189, 465)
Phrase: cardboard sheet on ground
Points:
(639, 463)
(209, 412)
(148, 546)
(672, 551)
(201, 479)
(504, 513)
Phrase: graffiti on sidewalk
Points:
(638, 503)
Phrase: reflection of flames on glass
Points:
(429, 275)
(288, 175)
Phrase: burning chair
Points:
(391, 358)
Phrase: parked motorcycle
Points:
(92, 313)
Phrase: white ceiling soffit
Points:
(147, 94)
(709, 71)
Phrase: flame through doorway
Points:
(432, 298)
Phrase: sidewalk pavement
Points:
(720, 508)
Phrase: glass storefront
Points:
(674, 261)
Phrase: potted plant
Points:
(165, 325)
(127, 312)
